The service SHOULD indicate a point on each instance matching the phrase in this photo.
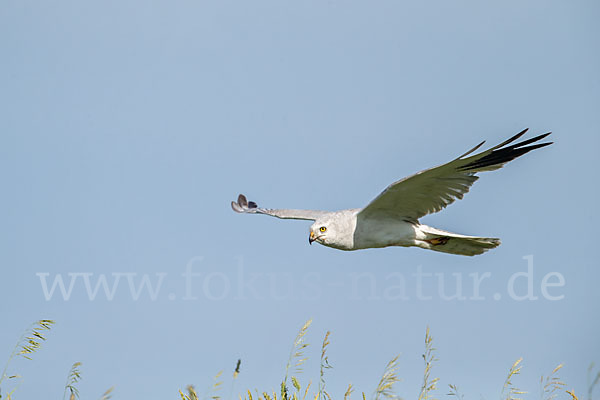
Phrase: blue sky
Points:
(127, 127)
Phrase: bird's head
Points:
(334, 230)
(326, 231)
(319, 232)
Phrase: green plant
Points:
(429, 384)
(30, 341)
(508, 388)
(551, 385)
(324, 365)
(73, 378)
(385, 388)
(296, 358)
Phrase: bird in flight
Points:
(392, 218)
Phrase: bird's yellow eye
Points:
(322, 229)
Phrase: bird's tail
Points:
(453, 243)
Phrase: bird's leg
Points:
(438, 240)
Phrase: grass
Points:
(291, 387)
(385, 388)
(71, 385)
(509, 391)
(429, 383)
(550, 386)
(30, 342)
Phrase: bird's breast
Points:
(383, 232)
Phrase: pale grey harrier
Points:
(392, 218)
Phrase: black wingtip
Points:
(528, 141)
(518, 135)
(502, 154)
(471, 151)
(538, 146)
(512, 139)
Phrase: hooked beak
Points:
(311, 238)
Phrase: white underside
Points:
(401, 233)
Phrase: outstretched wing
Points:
(431, 190)
(249, 207)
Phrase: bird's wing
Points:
(249, 207)
(431, 190)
